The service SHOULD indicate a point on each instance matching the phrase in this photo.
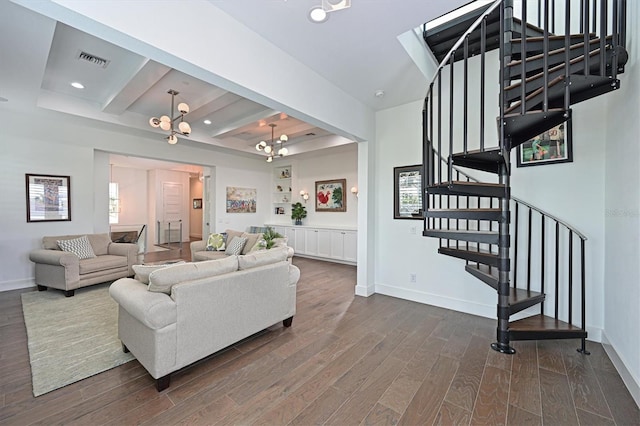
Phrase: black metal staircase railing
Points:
(544, 66)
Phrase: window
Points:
(114, 203)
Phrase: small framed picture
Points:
(197, 203)
(48, 198)
(550, 147)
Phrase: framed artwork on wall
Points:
(241, 200)
(407, 192)
(48, 198)
(331, 195)
(550, 147)
(197, 203)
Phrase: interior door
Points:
(172, 212)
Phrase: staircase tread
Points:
(462, 231)
(555, 37)
(464, 183)
(534, 112)
(517, 62)
(541, 323)
(478, 210)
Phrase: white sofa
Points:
(199, 250)
(207, 306)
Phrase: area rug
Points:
(71, 338)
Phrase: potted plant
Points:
(270, 236)
(298, 212)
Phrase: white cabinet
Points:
(318, 242)
(339, 245)
(344, 245)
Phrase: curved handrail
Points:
(531, 206)
(457, 44)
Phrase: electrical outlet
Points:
(412, 278)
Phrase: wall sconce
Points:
(354, 190)
(304, 194)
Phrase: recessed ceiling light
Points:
(379, 93)
(77, 85)
(318, 15)
(207, 122)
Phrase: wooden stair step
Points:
(468, 214)
(482, 256)
(483, 237)
(468, 188)
(521, 299)
(487, 160)
(519, 128)
(485, 274)
(535, 44)
(539, 327)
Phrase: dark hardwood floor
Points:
(345, 361)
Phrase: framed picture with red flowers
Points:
(331, 195)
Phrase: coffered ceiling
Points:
(357, 50)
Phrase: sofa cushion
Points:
(163, 279)
(81, 247)
(207, 255)
(215, 242)
(100, 243)
(231, 233)
(102, 263)
(235, 246)
(143, 271)
(252, 239)
(262, 257)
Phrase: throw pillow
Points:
(251, 241)
(235, 246)
(143, 271)
(215, 242)
(81, 247)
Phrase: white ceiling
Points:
(357, 50)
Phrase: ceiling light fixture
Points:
(167, 123)
(207, 122)
(319, 14)
(77, 85)
(270, 149)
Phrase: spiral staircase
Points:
(550, 55)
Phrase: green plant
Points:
(298, 212)
(270, 237)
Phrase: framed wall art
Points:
(197, 203)
(331, 195)
(407, 192)
(241, 200)
(48, 198)
(553, 146)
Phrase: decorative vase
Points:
(298, 221)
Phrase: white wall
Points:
(335, 163)
(569, 191)
(621, 211)
(228, 177)
(132, 191)
(49, 143)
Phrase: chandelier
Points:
(167, 123)
(270, 149)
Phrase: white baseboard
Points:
(632, 385)
(17, 284)
(364, 291)
(487, 311)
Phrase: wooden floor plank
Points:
(493, 396)
(557, 405)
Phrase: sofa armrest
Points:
(198, 246)
(55, 258)
(129, 250)
(154, 310)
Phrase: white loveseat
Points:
(207, 306)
